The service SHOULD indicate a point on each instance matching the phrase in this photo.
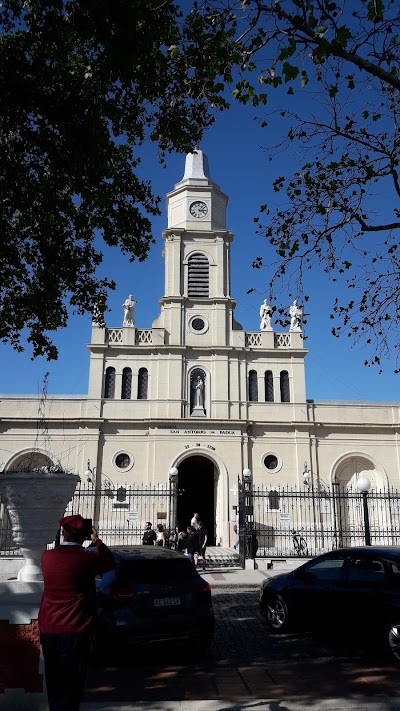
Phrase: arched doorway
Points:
(196, 493)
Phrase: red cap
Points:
(74, 524)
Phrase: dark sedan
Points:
(352, 588)
(154, 594)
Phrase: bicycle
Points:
(299, 543)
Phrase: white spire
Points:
(196, 166)
(197, 171)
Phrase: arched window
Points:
(143, 380)
(285, 390)
(126, 388)
(253, 386)
(269, 386)
(198, 276)
(109, 384)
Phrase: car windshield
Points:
(154, 571)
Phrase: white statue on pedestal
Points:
(198, 388)
(265, 315)
(296, 314)
(129, 310)
(198, 397)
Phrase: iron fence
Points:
(120, 513)
(288, 523)
(273, 521)
(7, 546)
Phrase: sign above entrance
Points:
(174, 430)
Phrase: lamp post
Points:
(173, 479)
(90, 473)
(306, 475)
(249, 517)
(364, 485)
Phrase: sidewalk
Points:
(216, 575)
(251, 704)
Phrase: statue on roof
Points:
(296, 314)
(265, 315)
(129, 311)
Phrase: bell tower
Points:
(197, 309)
(196, 202)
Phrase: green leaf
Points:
(290, 71)
(342, 36)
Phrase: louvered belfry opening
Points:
(198, 276)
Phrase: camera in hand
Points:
(87, 528)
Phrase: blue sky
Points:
(238, 158)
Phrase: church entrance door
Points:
(196, 493)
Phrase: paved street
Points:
(245, 662)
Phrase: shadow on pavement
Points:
(246, 662)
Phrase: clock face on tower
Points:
(198, 209)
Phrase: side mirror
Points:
(305, 575)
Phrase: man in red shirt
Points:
(68, 609)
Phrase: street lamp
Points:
(364, 485)
(90, 474)
(306, 475)
(247, 475)
(173, 474)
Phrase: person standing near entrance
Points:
(202, 539)
(192, 545)
(68, 610)
(195, 525)
(160, 536)
(149, 535)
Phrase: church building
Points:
(197, 396)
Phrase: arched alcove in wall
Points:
(29, 459)
(349, 511)
(354, 466)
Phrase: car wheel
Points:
(276, 613)
(394, 640)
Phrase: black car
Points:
(352, 588)
(154, 594)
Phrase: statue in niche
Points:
(265, 315)
(129, 311)
(296, 314)
(197, 395)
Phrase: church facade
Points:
(197, 395)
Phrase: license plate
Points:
(164, 601)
